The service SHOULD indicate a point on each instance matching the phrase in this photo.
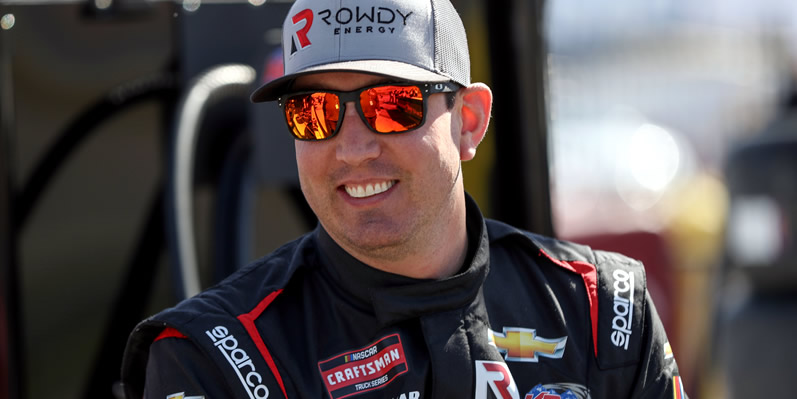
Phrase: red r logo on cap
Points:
(307, 16)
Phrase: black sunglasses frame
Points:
(427, 89)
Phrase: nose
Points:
(355, 143)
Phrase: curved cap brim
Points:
(272, 90)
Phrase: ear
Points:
(477, 101)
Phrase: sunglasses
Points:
(385, 108)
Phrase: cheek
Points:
(444, 141)
(446, 129)
(307, 181)
(437, 158)
(307, 157)
(313, 162)
(304, 164)
(299, 149)
(455, 127)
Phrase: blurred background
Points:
(134, 172)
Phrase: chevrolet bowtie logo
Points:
(523, 345)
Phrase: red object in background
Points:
(652, 250)
(273, 67)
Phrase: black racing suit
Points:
(526, 317)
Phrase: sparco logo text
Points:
(240, 361)
(623, 308)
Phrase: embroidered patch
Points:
(181, 395)
(558, 391)
(365, 369)
(523, 345)
(493, 380)
(678, 388)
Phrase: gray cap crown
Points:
(415, 40)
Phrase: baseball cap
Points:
(414, 40)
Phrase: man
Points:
(404, 290)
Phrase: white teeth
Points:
(368, 190)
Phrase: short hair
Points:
(451, 99)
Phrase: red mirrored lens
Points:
(390, 109)
(312, 116)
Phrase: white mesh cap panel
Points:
(451, 43)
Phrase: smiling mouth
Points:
(362, 191)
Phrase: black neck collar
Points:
(394, 297)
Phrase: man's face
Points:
(381, 196)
